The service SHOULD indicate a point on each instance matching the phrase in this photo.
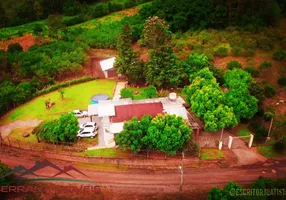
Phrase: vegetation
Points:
(35, 109)
(233, 65)
(211, 154)
(205, 98)
(59, 130)
(126, 93)
(269, 91)
(166, 133)
(265, 64)
(4, 169)
(150, 92)
(279, 55)
(127, 63)
(228, 192)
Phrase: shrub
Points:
(150, 92)
(269, 91)
(38, 28)
(265, 43)
(279, 146)
(254, 72)
(282, 81)
(256, 91)
(222, 51)
(126, 93)
(249, 52)
(4, 169)
(60, 130)
(268, 116)
(15, 47)
(279, 55)
(261, 132)
(265, 64)
(62, 85)
(237, 51)
(73, 20)
(233, 65)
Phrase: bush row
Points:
(62, 85)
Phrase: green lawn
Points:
(210, 154)
(17, 134)
(244, 131)
(75, 97)
(269, 152)
(111, 152)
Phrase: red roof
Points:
(126, 112)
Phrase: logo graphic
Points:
(20, 171)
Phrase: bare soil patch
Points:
(25, 41)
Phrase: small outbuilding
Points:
(107, 67)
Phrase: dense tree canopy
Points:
(59, 130)
(206, 100)
(127, 63)
(163, 69)
(166, 133)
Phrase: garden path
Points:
(6, 129)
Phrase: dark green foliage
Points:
(269, 91)
(127, 63)
(155, 33)
(221, 51)
(268, 116)
(62, 85)
(280, 145)
(253, 72)
(282, 81)
(257, 91)
(205, 98)
(163, 69)
(38, 28)
(45, 61)
(15, 47)
(59, 130)
(126, 93)
(238, 97)
(55, 23)
(4, 169)
(73, 20)
(166, 133)
(265, 64)
(233, 65)
(150, 92)
(194, 63)
(218, 74)
(265, 44)
(279, 55)
(225, 193)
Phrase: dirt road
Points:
(161, 182)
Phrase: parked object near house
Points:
(107, 67)
(80, 113)
(89, 125)
(87, 132)
(98, 97)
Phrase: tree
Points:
(126, 93)
(38, 9)
(55, 23)
(194, 63)
(127, 63)
(167, 133)
(4, 170)
(256, 91)
(237, 78)
(62, 92)
(3, 17)
(59, 130)
(150, 92)
(133, 133)
(163, 69)
(234, 64)
(226, 193)
(155, 33)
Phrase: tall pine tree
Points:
(127, 63)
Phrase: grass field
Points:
(269, 152)
(75, 97)
(211, 154)
(17, 134)
(113, 153)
